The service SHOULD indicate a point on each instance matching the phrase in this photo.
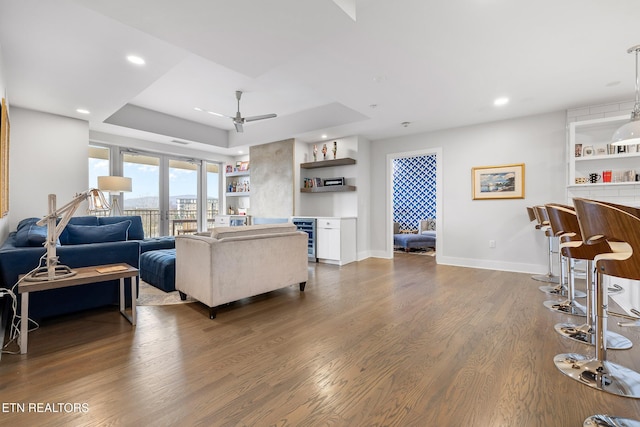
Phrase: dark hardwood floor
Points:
(401, 342)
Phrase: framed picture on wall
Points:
(498, 182)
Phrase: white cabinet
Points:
(231, 220)
(336, 240)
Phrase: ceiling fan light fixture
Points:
(629, 133)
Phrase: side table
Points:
(83, 276)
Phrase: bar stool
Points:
(621, 230)
(543, 224)
(564, 218)
(566, 234)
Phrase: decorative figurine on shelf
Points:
(335, 149)
(315, 152)
(324, 151)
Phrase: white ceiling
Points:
(436, 64)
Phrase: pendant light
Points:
(629, 133)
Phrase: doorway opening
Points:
(414, 203)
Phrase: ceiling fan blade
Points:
(213, 113)
(265, 116)
(238, 126)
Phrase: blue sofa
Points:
(86, 241)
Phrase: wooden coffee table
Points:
(83, 276)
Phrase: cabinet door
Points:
(328, 244)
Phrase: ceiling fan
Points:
(238, 120)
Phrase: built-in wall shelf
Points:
(328, 189)
(328, 163)
(239, 173)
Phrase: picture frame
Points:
(4, 158)
(578, 150)
(229, 169)
(498, 182)
(244, 166)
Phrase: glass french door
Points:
(183, 186)
(144, 198)
(172, 195)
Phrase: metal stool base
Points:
(601, 375)
(566, 307)
(609, 421)
(546, 278)
(585, 335)
(558, 290)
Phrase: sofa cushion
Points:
(22, 232)
(26, 223)
(76, 220)
(251, 230)
(30, 234)
(136, 232)
(83, 234)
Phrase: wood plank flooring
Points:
(402, 342)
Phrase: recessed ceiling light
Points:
(501, 101)
(324, 136)
(83, 111)
(240, 152)
(135, 60)
(197, 108)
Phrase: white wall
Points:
(4, 222)
(49, 154)
(468, 225)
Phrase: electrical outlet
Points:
(492, 243)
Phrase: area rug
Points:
(428, 252)
(150, 295)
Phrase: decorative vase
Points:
(315, 152)
(335, 149)
(324, 151)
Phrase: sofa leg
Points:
(213, 311)
(183, 296)
(302, 285)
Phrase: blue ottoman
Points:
(158, 268)
(408, 241)
(155, 243)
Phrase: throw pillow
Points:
(30, 234)
(83, 234)
(428, 224)
(26, 223)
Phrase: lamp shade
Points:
(114, 184)
(627, 134)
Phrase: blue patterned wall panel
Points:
(414, 190)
